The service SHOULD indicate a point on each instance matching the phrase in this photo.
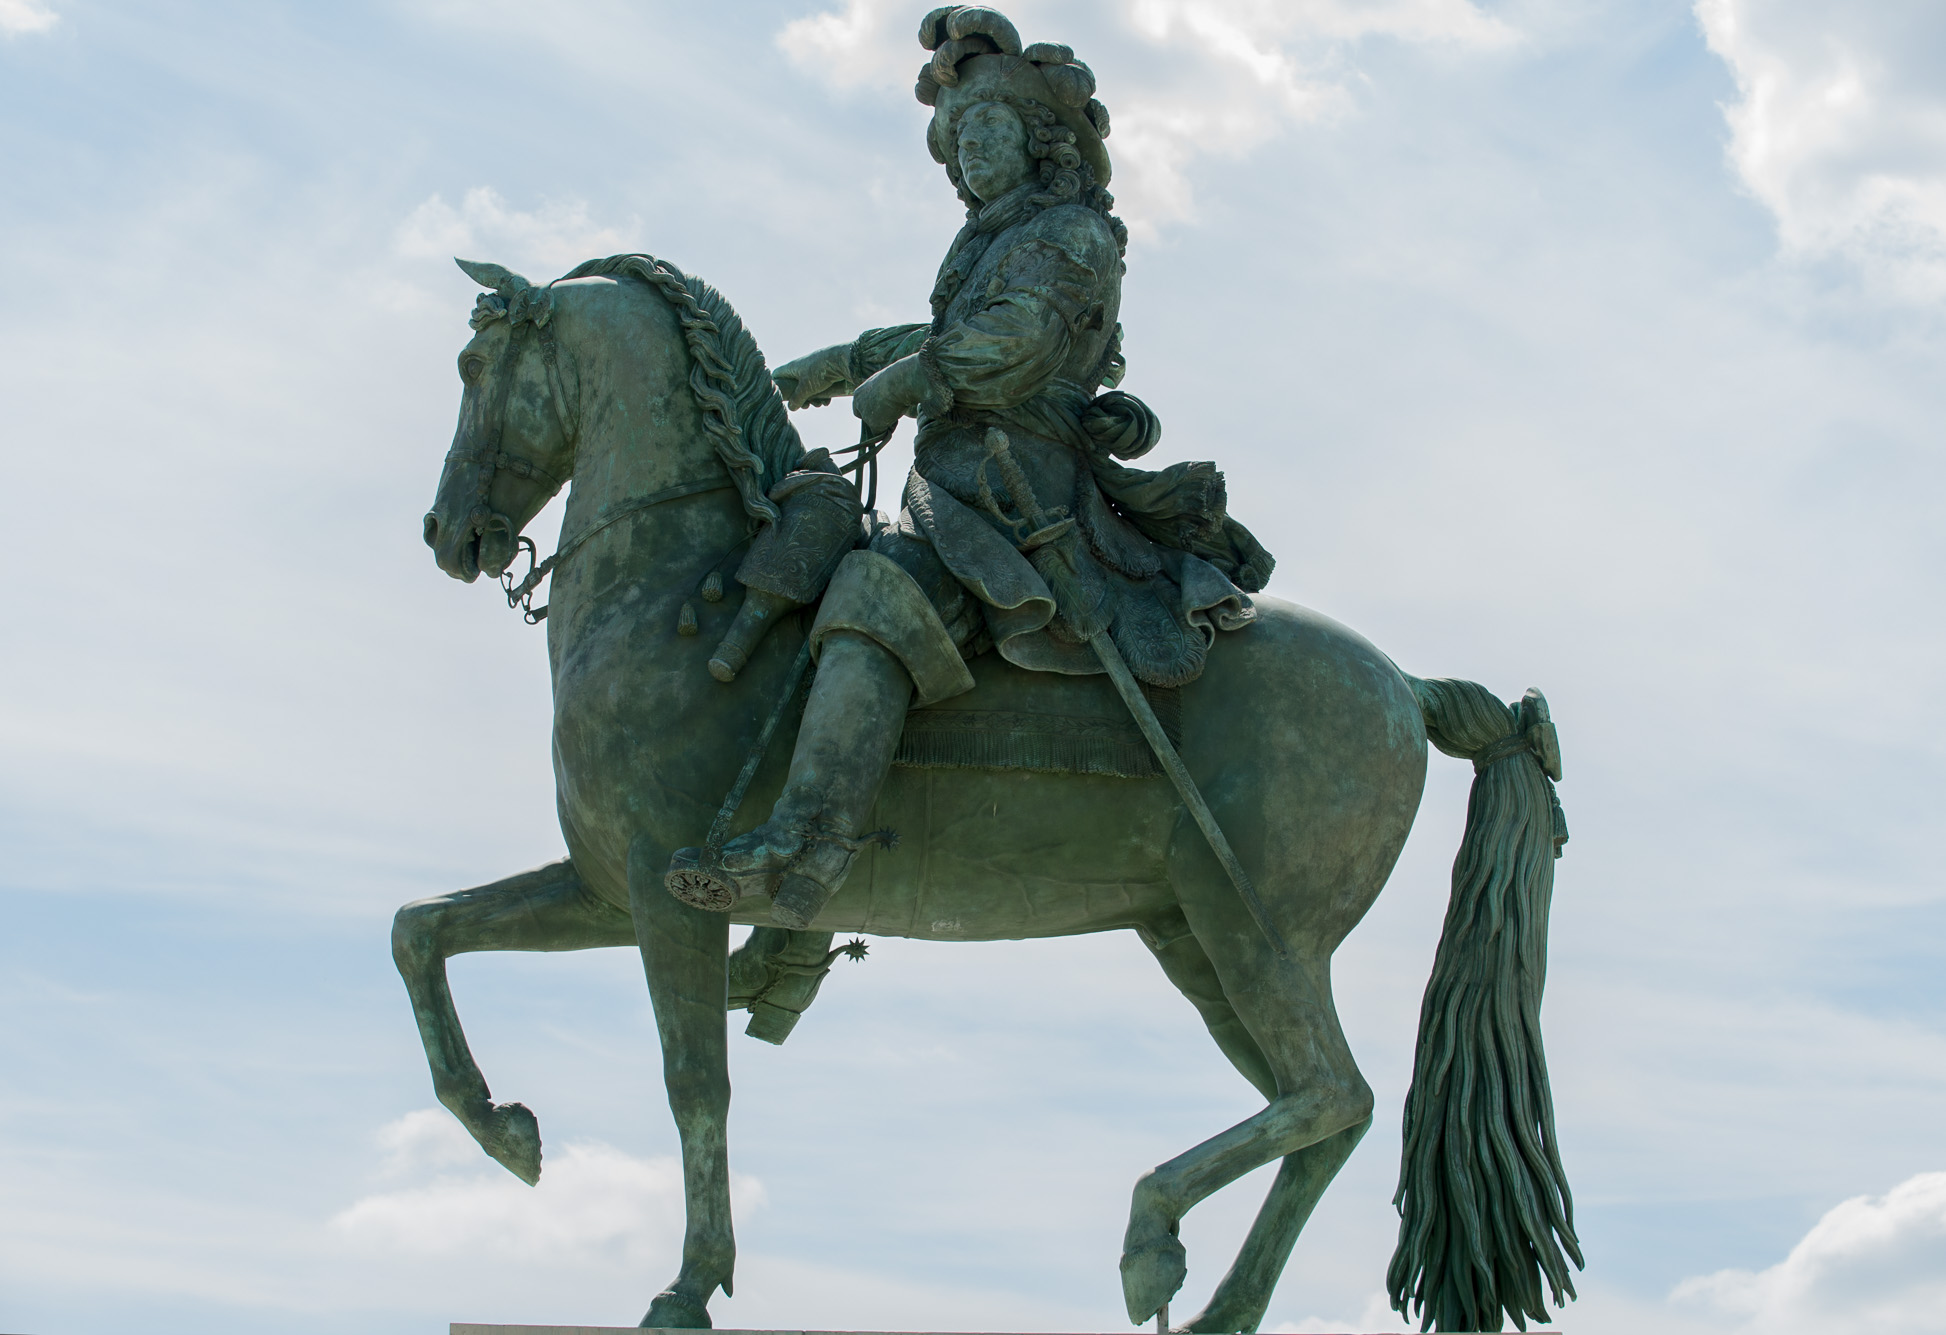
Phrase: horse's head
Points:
(514, 447)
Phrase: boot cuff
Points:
(873, 596)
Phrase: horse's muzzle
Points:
(455, 548)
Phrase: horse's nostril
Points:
(432, 529)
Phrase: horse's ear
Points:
(502, 280)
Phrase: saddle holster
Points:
(792, 558)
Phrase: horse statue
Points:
(638, 383)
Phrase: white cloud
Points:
(20, 16)
(1871, 1264)
(423, 1140)
(1251, 32)
(1264, 66)
(1243, 71)
(560, 233)
(594, 1202)
(1840, 129)
(868, 42)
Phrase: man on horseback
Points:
(1022, 538)
(1020, 533)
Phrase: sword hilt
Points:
(1044, 526)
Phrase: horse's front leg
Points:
(685, 953)
(544, 909)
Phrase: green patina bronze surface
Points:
(958, 698)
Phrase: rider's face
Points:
(993, 156)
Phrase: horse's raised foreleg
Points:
(685, 953)
(1285, 1007)
(544, 909)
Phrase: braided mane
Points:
(742, 410)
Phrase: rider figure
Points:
(1023, 337)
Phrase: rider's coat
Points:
(1026, 336)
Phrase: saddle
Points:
(1037, 722)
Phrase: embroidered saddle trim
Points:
(936, 738)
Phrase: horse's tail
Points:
(1484, 1207)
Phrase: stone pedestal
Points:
(469, 1328)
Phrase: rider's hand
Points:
(891, 394)
(814, 379)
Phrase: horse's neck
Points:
(635, 441)
(641, 435)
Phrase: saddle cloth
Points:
(1039, 722)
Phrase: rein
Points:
(521, 595)
(494, 460)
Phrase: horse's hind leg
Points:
(1319, 1095)
(1187, 965)
(544, 909)
(1285, 1006)
(1244, 1293)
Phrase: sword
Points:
(1045, 529)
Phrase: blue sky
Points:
(1592, 346)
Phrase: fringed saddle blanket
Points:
(1040, 723)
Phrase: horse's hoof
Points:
(1211, 1322)
(1151, 1274)
(672, 1311)
(513, 1137)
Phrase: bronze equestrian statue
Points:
(1006, 673)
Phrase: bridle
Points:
(494, 460)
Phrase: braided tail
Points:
(1484, 1207)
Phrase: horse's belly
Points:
(988, 855)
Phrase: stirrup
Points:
(700, 881)
(699, 878)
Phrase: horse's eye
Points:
(470, 368)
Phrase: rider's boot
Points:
(845, 745)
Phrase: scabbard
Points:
(1055, 529)
(1192, 796)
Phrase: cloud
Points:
(1239, 73)
(23, 16)
(1263, 66)
(594, 1203)
(864, 44)
(1871, 1264)
(1840, 129)
(427, 1139)
(560, 233)
(1252, 32)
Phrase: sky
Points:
(1592, 345)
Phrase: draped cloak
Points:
(1024, 336)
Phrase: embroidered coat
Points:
(1024, 337)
